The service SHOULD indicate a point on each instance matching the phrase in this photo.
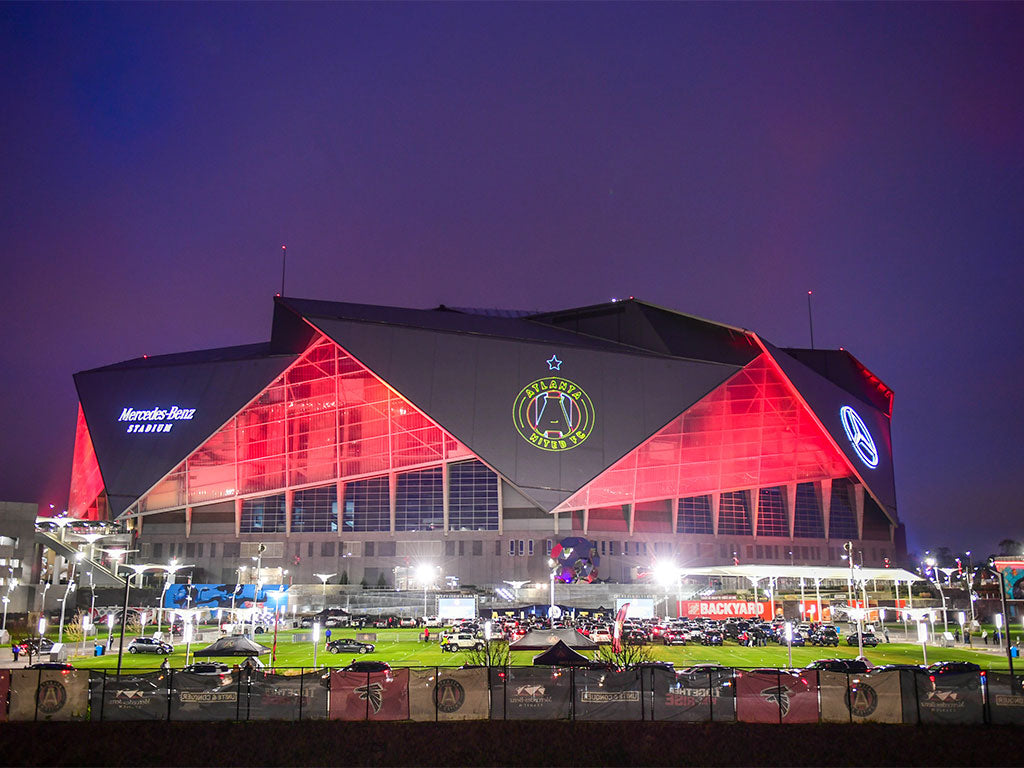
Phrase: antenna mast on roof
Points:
(810, 317)
(284, 262)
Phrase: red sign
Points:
(778, 698)
(369, 695)
(724, 609)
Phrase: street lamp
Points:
(12, 585)
(63, 603)
(931, 564)
(171, 572)
(280, 593)
(137, 569)
(316, 640)
(668, 574)
(324, 577)
(789, 642)
(848, 546)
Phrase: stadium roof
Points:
(762, 572)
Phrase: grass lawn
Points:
(402, 648)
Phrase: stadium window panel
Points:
(695, 515)
(462, 548)
(603, 548)
(521, 547)
(472, 497)
(511, 547)
(530, 547)
(478, 547)
(733, 518)
(326, 549)
(497, 547)
(807, 520)
(263, 515)
(611, 547)
(419, 501)
(449, 549)
(771, 513)
(547, 546)
(315, 510)
(842, 523)
(367, 505)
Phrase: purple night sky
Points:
(719, 159)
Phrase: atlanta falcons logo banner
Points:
(763, 697)
(448, 694)
(5, 686)
(872, 698)
(369, 695)
(49, 694)
(132, 697)
(531, 693)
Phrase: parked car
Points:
(368, 666)
(463, 641)
(149, 645)
(349, 645)
(35, 645)
(867, 638)
(431, 621)
(673, 637)
(853, 666)
(952, 668)
(408, 622)
(824, 637)
(50, 665)
(207, 668)
(798, 639)
(711, 637)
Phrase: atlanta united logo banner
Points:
(762, 697)
(132, 697)
(950, 698)
(873, 698)
(448, 694)
(5, 686)
(49, 694)
(530, 693)
(605, 695)
(369, 695)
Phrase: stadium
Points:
(365, 441)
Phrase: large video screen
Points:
(639, 607)
(456, 607)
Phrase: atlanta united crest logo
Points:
(449, 696)
(553, 414)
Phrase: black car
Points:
(368, 666)
(36, 645)
(349, 645)
(50, 665)
(711, 637)
(951, 668)
(853, 666)
(866, 639)
(149, 645)
(824, 637)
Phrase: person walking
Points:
(984, 636)
(15, 649)
(426, 634)
(165, 666)
(885, 631)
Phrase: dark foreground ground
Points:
(503, 744)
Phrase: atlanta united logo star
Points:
(553, 414)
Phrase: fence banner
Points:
(531, 693)
(763, 697)
(448, 694)
(606, 695)
(206, 697)
(49, 694)
(1006, 698)
(284, 697)
(874, 698)
(5, 686)
(131, 697)
(950, 698)
(369, 695)
(692, 697)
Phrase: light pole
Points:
(970, 586)
(63, 603)
(277, 620)
(137, 570)
(937, 582)
(110, 630)
(848, 546)
(425, 575)
(12, 585)
(789, 642)
(324, 577)
(316, 640)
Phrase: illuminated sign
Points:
(859, 436)
(154, 419)
(553, 414)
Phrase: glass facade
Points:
(772, 518)
(419, 501)
(263, 515)
(750, 432)
(695, 515)
(315, 510)
(733, 516)
(325, 418)
(367, 505)
(472, 497)
(807, 520)
(86, 481)
(842, 522)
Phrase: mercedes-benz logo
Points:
(859, 436)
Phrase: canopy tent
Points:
(754, 573)
(560, 655)
(543, 639)
(233, 645)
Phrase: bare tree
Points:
(630, 654)
(494, 653)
